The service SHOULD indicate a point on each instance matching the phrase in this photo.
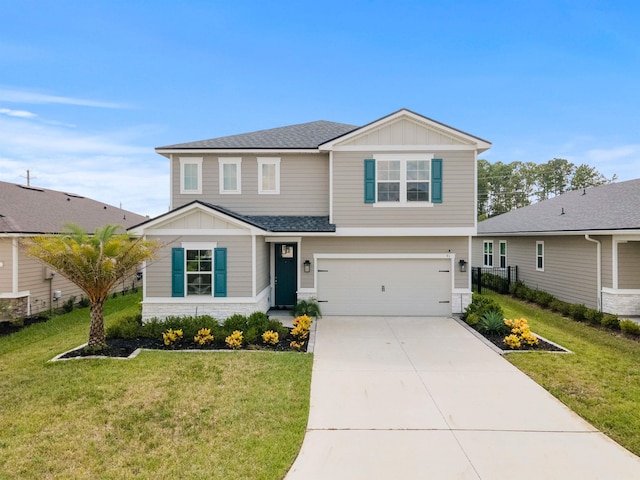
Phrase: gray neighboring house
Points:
(368, 220)
(26, 286)
(582, 246)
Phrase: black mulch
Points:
(543, 346)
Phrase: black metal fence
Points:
(494, 278)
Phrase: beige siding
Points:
(629, 265)
(6, 271)
(196, 220)
(158, 273)
(607, 261)
(262, 264)
(455, 245)
(570, 265)
(405, 132)
(304, 186)
(456, 210)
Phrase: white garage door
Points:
(384, 286)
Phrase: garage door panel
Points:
(367, 286)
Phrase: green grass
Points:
(224, 415)
(600, 381)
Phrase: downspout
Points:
(598, 268)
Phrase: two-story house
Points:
(371, 220)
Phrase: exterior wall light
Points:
(307, 266)
(463, 265)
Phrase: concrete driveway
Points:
(423, 398)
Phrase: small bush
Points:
(630, 327)
(203, 337)
(520, 290)
(171, 337)
(610, 321)
(296, 345)
(259, 321)
(492, 323)
(578, 312)
(472, 319)
(127, 326)
(84, 302)
(481, 305)
(68, 305)
(235, 322)
(310, 308)
(593, 316)
(495, 282)
(301, 327)
(235, 340)
(543, 299)
(270, 337)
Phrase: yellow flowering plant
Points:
(172, 336)
(301, 327)
(270, 337)
(520, 333)
(296, 345)
(203, 337)
(234, 341)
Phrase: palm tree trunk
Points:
(96, 331)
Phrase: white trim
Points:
(469, 263)
(171, 172)
(226, 151)
(254, 266)
(404, 148)
(194, 299)
(506, 253)
(308, 291)
(237, 161)
(539, 269)
(271, 239)
(275, 161)
(598, 270)
(24, 293)
(199, 246)
(621, 291)
(331, 187)
(486, 255)
(198, 231)
(406, 232)
(555, 233)
(272, 273)
(15, 271)
(197, 161)
(402, 204)
(402, 158)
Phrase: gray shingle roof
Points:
(281, 223)
(607, 207)
(301, 136)
(40, 210)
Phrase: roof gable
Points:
(615, 206)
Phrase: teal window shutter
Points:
(369, 181)
(220, 272)
(436, 180)
(177, 272)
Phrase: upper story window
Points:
(191, 175)
(487, 257)
(268, 175)
(403, 180)
(540, 256)
(230, 175)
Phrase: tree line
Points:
(503, 187)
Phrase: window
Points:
(199, 268)
(230, 175)
(190, 175)
(540, 256)
(399, 180)
(503, 254)
(269, 175)
(488, 253)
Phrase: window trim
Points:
(268, 161)
(222, 161)
(539, 256)
(184, 161)
(186, 246)
(501, 255)
(486, 254)
(403, 158)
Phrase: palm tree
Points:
(94, 263)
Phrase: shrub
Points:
(495, 282)
(512, 341)
(126, 326)
(235, 340)
(296, 345)
(578, 312)
(520, 290)
(171, 337)
(67, 306)
(189, 325)
(543, 299)
(84, 302)
(301, 327)
(203, 337)
(472, 319)
(270, 337)
(310, 308)
(610, 321)
(520, 333)
(276, 326)
(235, 322)
(481, 305)
(492, 323)
(593, 316)
(630, 327)
(259, 321)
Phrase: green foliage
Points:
(68, 304)
(125, 326)
(492, 323)
(578, 312)
(259, 321)
(630, 327)
(495, 282)
(84, 302)
(472, 319)
(480, 305)
(235, 322)
(309, 308)
(593, 316)
(610, 321)
(190, 325)
(543, 299)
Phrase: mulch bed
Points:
(543, 345)
(7, 328)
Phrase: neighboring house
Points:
(371, 220)
(582, 246)
(26, 286)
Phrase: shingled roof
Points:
(301, 136)
(29, 210)
(615, 206)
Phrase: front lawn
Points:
(220, 415)
(600, 381)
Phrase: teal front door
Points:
(286, 270)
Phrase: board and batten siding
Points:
(456, 210)
(158, 271)
(406, 245)
(629, 265)
(570, 265)
(304, 185)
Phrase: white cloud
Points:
(15, 95)
(17, 113)
(614, 154)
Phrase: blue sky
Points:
(88, 89)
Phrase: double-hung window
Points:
(190, 175)
(268, 175)
(503, 254)
(487, 253)
(540, 256)
(230, 175)
(401, 180)
(199, 270)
